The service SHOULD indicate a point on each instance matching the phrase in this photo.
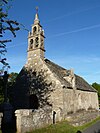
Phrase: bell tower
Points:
(36, 41)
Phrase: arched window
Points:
(31, 44)
(34, 29)
(33, 102)
(41, 42)
(37, 41)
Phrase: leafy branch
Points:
(6, 24)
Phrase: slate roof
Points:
(61, 72)
(81, 84)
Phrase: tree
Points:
(6, 24)
(11, 80)
(97, 87)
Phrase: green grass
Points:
(64, 127)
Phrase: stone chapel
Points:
(43, 84)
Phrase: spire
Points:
(36, 20)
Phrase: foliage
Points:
(97, 87)
(11, 80)
(6, 24)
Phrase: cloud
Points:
(17, 61)
(92, 77)
(78, 59)
(17, 45)
(72, 13)
(77, 30)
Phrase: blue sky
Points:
(72, 30)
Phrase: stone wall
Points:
(87, 100)
(75, 100)
(27, 120)
(69, 100)
(57, 102)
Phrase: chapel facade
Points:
(44, 84)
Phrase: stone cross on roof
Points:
(37, 8)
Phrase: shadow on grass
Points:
(78, 131)
(97, 131)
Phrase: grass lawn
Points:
(63, 127)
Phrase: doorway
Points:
(33, 102)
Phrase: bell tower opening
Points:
(34, 29)
(31, 44)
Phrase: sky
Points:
(72, 31)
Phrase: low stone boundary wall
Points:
(28, 119)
